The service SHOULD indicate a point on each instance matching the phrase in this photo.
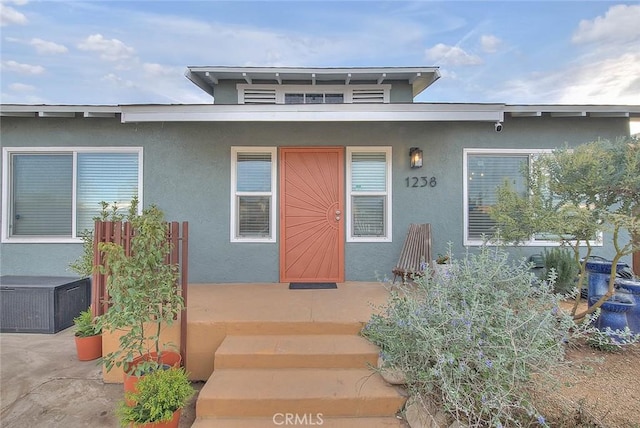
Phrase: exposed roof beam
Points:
(348, 79)
(211, 77)
(381, 78)
(246, 78)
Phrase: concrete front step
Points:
(295, 351)
(266, 392)
(302, 420)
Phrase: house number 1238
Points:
(421, 181)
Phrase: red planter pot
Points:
(173, 423)
(89, 348)
(169, 358)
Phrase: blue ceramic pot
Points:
(599, 272)
(613, 312)
(632, 288)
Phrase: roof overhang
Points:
(207, 78)
(411, 112)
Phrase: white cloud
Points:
(118, 81)
(621, 23)
(21, 87)
(451, 55)
(22, 68)
(9, 15)
(489, 43)
(609, 81)
(46, 47)
(110, 50)
(155, 69)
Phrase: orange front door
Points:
(312, 214)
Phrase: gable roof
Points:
(207, 77)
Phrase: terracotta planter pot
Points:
(169, 358)
(89, 348)
(173, 423)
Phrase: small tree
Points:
(141, 288)
(573, 194)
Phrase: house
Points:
(290, 174)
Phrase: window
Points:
(484, 171)
(53, 195)
(369, 194)
(313, 98)
(253, 205)
(313, 94)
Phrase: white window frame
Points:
(531, 153)
(234, 193)
(388, 214)
(346, 90)
(7, 185)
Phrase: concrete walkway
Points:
(43, 384)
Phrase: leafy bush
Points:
(471, 340)
(85, 325)
(564, 263)
(158, 395)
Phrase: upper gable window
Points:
(313, 94)
(313, 98)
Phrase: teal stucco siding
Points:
(187, 174)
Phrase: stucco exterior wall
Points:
(187, 173)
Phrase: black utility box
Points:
(41, 304)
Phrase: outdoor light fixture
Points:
(415, 154)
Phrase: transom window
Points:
(369, 194)
(53, 195)
(253, 206)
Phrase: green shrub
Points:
(471, 340)
(85, 325)
(563, 262)
(158, 395)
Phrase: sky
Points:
(136, 52)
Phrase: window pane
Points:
(294, 98)
(333, 98)
(42, 187)
(486, 174)
(368, 172)
(254, 212)
(314, 99)
(109, 177)
(368, 215)
(254, 172)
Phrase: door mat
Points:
(312, 285)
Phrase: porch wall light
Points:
(415, 154)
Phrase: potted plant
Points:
(157, 401)
(143, 298)
(88, 336)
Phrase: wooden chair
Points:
(416, 252)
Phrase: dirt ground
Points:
(594, 388)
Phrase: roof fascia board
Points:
(314, 113)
